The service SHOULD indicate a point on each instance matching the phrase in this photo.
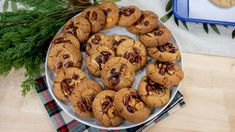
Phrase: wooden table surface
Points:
(208, 88)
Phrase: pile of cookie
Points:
(116, 60)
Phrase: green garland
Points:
(169, 14)
(26, 34)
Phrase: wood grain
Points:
(208, 88)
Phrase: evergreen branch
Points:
(205, 27)
(167, 16)
(26, 34)
(169, 5)
(214, 27)
(233, 34)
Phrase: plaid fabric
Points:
(63, 123)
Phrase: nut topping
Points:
(112, 112)
(131, 109)
(67, 89)
(146, 23)
(65, 56)
(94, 15)
(106, 105)
(84, 105)
(68, 64)
(72, 28)
(153, 88)
(133, 57)
(169, 47)
(131, 101)
(75, 76)
(61, 40)
(165, 68)
(158, 32)
(59, 65)
(127, 11)
(118, 42)
(114, 79)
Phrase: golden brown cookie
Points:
(134, 51)
(152, 93)
(128, 15)
(117, 39)
(65, 38)
(80, 27)
(66, 81)
(158, 36)
(96, 17)
(223, 3)
(104, 109)
(168, 52)
(130, 106)
(147, 22)
(111, 12)
(99, 39)
(118, 73)
(83, 96)
(165, 73)
(95, 61)
(63, 56)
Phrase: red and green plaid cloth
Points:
(63, 123)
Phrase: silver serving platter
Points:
(66, 106)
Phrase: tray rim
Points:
(198, 20)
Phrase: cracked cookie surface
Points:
(82, 97)
(110, 10)
(80, 27)
(99, 39)
(146, 23)
(117, 39)
(128, 16)
(168, 52)
(152, 93)
(118, 73)
(104, 109)
(130, 105)
(158, 36)
(95, 61)
(96, 18)
(64, 56)
(134, 51)
(165, 73)
(65, 38)
(66, 81)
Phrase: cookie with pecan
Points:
(134, 51)
(128, 15)
(66, 81)
(165, 73)
(104, 110)
(96, 17)
(98, 57)
(168, 52)
(158, 36)
(111, 12)
(117, 39)
(80, 27)
(147, 22)
(82, 97)
(99, 39)
(63, 56)
(118, 73)
(65, 38)
(130, 106)
(152, 93)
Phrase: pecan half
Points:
(68, 64)
(106, 105)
